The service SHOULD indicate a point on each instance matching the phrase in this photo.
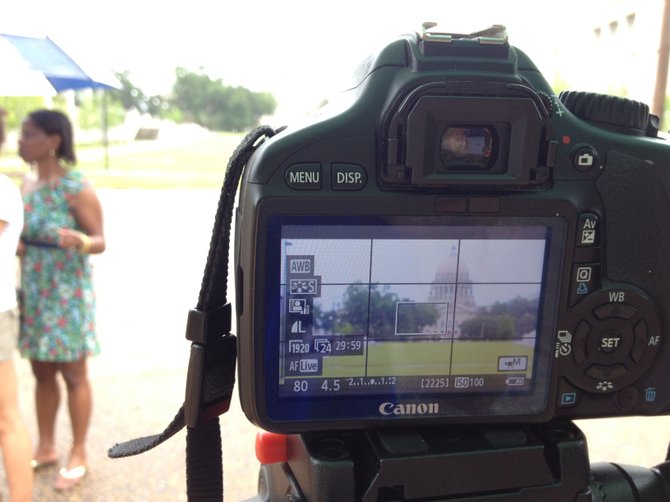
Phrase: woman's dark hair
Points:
(55, 122)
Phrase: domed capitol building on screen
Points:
(453, 286)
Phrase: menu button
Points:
(305, 176)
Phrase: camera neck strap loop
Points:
(211, 370)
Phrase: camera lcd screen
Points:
(457, 310)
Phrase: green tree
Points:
(415, 317)
(92, 107)
(489, 326)
(129, 95)
(350, 317)
(192, 95)
(218, 107)
(502, 320)
(665, 119)
(379, 304)
(18, 107)
(156, 105)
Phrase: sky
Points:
(301, 51)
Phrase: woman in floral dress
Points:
(63, 225)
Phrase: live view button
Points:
(348, 177)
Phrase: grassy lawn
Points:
(178, 162)
(427, 358)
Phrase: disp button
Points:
(349, 177)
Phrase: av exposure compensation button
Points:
(588, 230)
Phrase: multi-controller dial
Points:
(614, 340)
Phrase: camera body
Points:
(455, 244)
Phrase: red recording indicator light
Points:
(271, 447)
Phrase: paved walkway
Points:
(146, 281)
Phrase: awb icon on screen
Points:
(300, 266)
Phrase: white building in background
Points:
(452, 285)
(611, 47)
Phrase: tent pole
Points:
(105, 127)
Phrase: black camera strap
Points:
(211, 369)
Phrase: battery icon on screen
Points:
(515, 381)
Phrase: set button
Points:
(609, 341)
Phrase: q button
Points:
(348, 177)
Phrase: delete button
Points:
(348, 177)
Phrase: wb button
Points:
(349, 177)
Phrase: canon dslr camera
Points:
(455, 244)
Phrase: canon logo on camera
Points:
(389, 408)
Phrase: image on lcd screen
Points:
(454, 311)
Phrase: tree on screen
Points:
(377, 307)
(502, 320)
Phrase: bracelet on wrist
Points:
(86, 243)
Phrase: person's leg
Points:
(14, 438)
(80, 403)
(47, 401)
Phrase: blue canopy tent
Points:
(45, 57)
